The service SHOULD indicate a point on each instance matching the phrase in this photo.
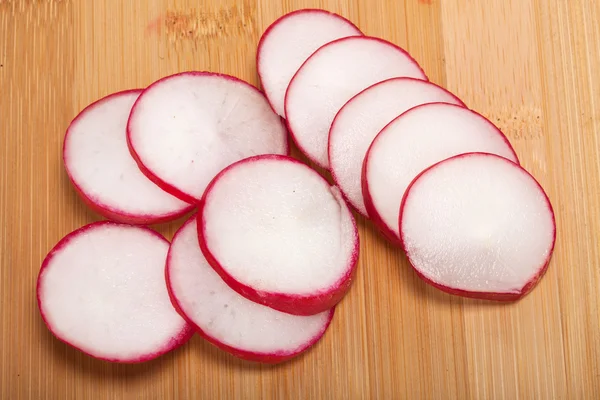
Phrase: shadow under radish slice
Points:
(104, 174)
(363, 117)
(478, 225)
(185, 128)
(417, 139)
(102, 290)
(279, 235)
(330, 77)
(228, 320)
(289, 41)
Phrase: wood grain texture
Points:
(529, 65)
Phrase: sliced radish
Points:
(185, 128)
(330, 77)
(102, 290)
(228, 320)
(279, 235)
(103, 172)
(414, 141)
(289, 41)
(478, 225)
(363, 117)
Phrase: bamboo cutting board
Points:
(531, 66)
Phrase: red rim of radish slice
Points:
(297, 304)
(173, 343)
(372, 210)
(357, 97)
(152, 175)
(289, 123)
(264, 357)
(269, 31)
(496, 296)
(99, 206)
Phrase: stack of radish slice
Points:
(273, 247)
(363, 108)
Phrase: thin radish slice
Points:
(185, 128)
(104, 174)
(363, 117)
(330, 77)
(279, 235)
(102, 290)
(228, 320)
(289, 41)
(414, 141)
(478, 225)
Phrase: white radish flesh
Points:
(185, 128)
(478, 225)
(414, 141)
(99, 165)
(102, 290)
(330, 77)
(289, 41)
(278, 234)
(363, 117)
(228, 320)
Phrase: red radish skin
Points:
(178, 173)
(359, 121)
(315, 27)
(263, 316)
(482, 295)
(171, 209)
(327, 80)
(374, 216)
(177, 340)
(310, 304)
(500, 144)
(125, 218)
(292, 304)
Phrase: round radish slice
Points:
(478, 225)
(289, 41)
(330, 77)
(363, 117)
(185, 128)
(103, 172)
(414, 141)
(102, 290)
(228, 320)
(279, 235)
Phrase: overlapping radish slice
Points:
(414, 141)
(228, 320)
(330, 77)
(478, 225)
(185, 128)
(289, 41)
(99, 165)
(102, 290)
(363, 117)
(278, 234)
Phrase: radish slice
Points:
(478, 225)
(330, 77)
(289, 41)
(228, 320)
(185, 128)
(279, 235)
(363, 117)
(414, 141)
(102, 290)
(103, 172)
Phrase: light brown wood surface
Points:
(532, 66)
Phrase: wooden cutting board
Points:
(531, 66)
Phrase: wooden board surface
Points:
(529, 65)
